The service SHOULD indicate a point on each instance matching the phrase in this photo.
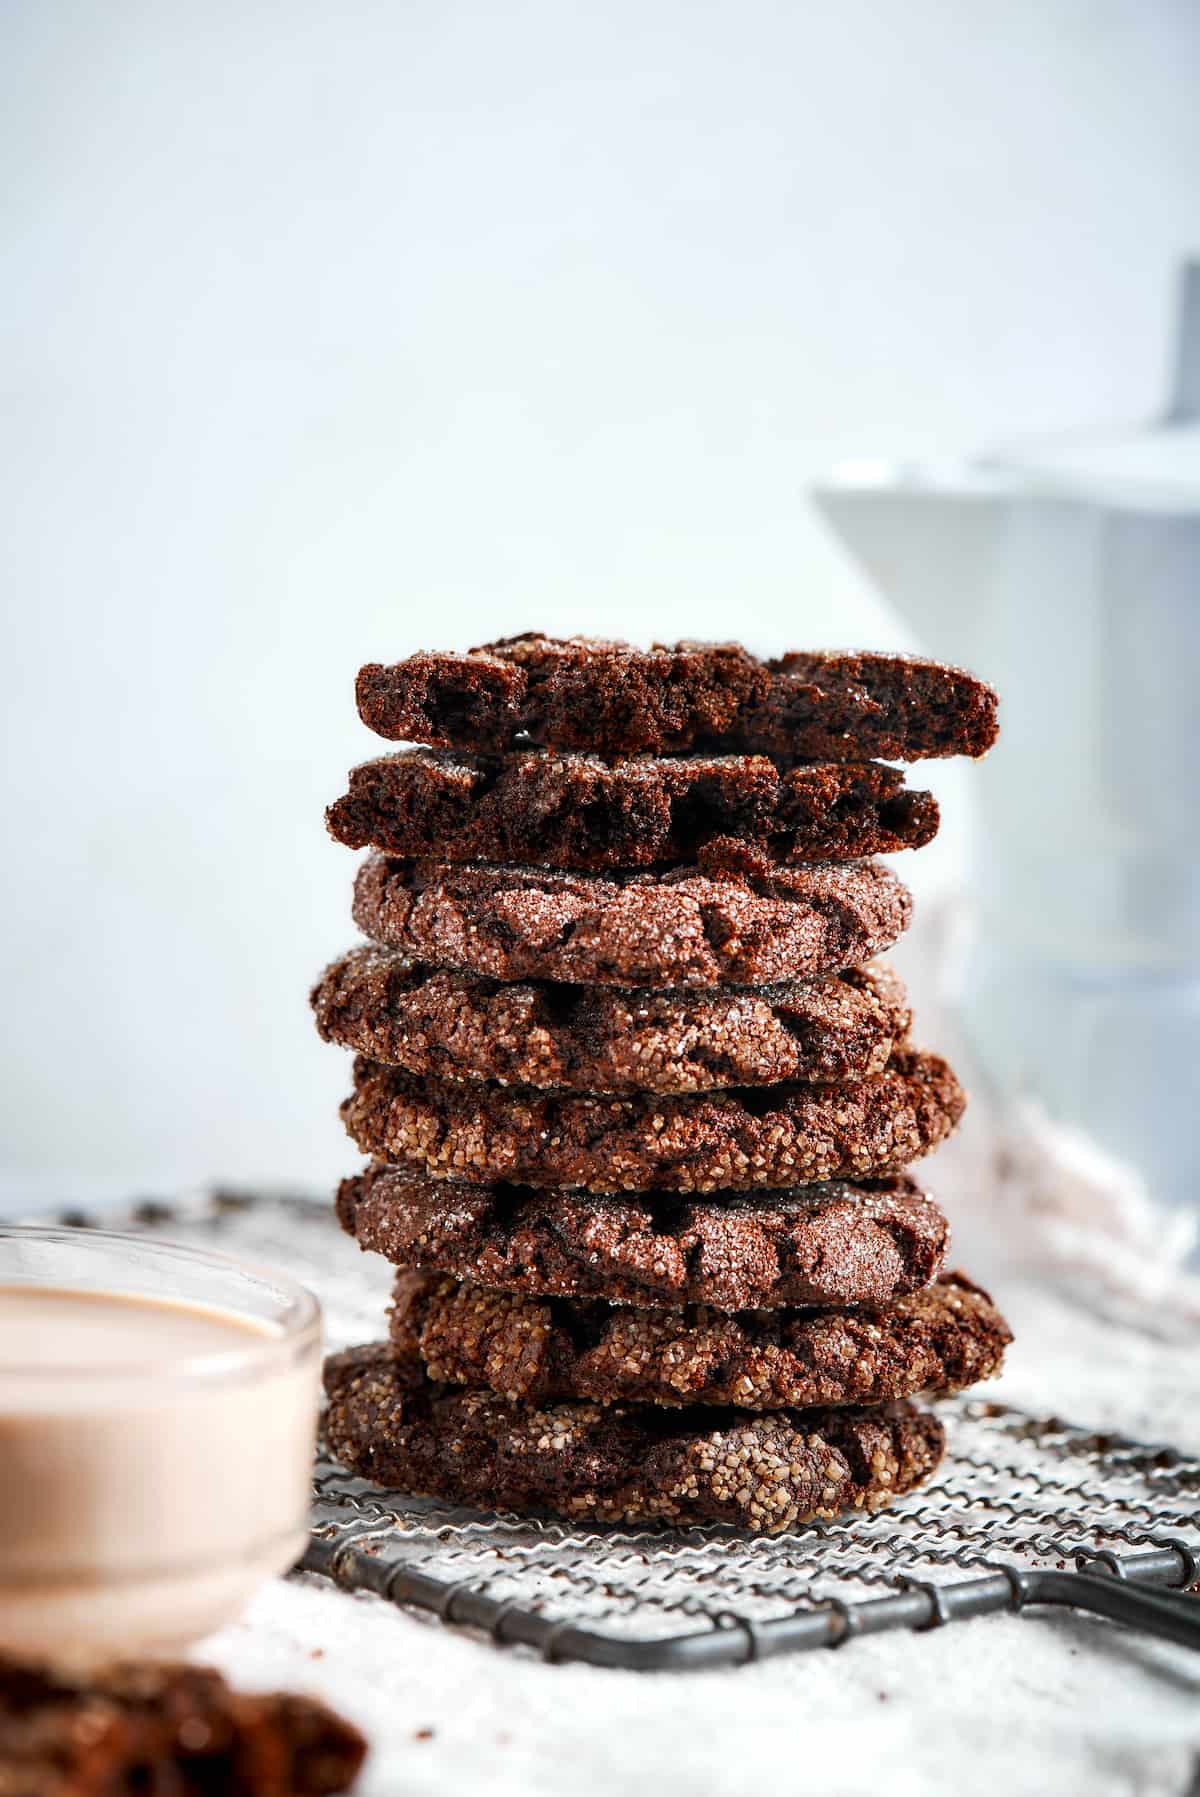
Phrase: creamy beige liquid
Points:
(155, 1460)
(49, 1326)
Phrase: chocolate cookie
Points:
(683, 928)
(757, 1136)
(165, 1728)
(617, 700)
(822, 1244)
(630, 1463)
(576, 811)
(583, 1039)
(536, 1351)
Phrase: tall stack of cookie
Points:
(638, 1098)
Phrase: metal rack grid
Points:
(1025, 1510)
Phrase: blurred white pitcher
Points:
(1069, 576)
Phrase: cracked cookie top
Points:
(389, 1422)
(842, 1242)
(457, 1026)
(727, 1141)
(687, 927)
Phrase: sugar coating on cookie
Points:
(535, 1350)
(754, 1136)
(841, 1242)
(632, 1463)
(458, 1026)
(687, 927)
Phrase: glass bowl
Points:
(157, 1422)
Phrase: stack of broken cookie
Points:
(638, 1097)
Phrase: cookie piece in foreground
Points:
(576, 811)
(581, 693)
(162, 1727)
(583, 1039)
(686, 927)
(822, 1244)
(629, 1463)
(729, 1141)
(532, 1350)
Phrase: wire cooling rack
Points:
(1025, 1511)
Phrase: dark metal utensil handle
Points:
(1172, 1616)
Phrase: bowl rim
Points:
(298, 1330)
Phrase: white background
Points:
(335, 331)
